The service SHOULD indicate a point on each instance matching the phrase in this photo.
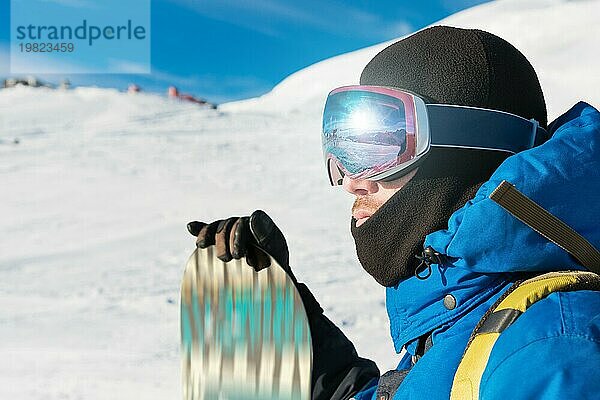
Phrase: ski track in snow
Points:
(96, 195)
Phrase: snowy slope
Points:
(93, 241)
(559, 37)
(96, 195)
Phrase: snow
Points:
(96, 195)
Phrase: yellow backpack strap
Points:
(505, 312)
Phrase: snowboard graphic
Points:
(244, 334)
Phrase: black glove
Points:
(254, 237)
(338, 372)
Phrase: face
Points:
(371, 195)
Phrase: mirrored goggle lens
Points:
(366, 133)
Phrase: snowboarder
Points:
(428, 225)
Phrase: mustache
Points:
(366, 203)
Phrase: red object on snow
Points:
(173, 93)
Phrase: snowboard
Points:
(244, 334)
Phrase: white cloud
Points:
(127, 67)
(273, 17)
(42, 64)
(399, 29)
(39, 63)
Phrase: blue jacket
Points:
(553, 350)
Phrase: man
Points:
(425, 227)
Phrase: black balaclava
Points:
(444, 65)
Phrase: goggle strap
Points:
(471, 127)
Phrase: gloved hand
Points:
(338, 372)
(254, 237)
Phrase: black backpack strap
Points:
(389, 383)
(391, 380)
(547, 225)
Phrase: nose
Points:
(359, 187)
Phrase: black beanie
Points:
(444, 65)
(466, 67)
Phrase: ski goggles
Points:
(381, 133)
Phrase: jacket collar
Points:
(485, 246)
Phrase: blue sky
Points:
(232, 49)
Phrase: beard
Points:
(388, 241)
